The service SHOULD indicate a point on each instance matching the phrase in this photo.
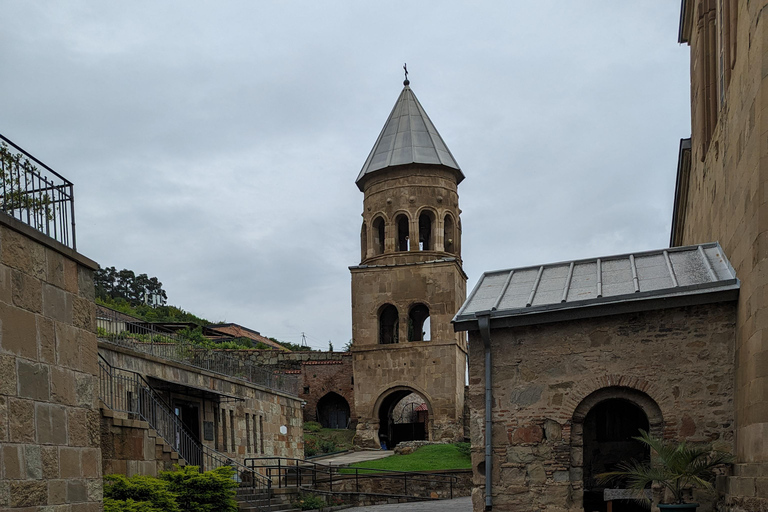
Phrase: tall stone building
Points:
(721, 195)
(409, 283)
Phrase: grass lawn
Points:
(327, 440)
(426, 458)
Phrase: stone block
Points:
(83, 314)
(85, 507)
(34, 463)
(55, 268)
(91, 463)
(85, 285)
(24, 254)
(94, 428)
(28, 493)
(62, 386)
(85, 390)
(89, 355)
(50, 459)
(8, 371)
(33, 380)
(46, 339)
(77, 427)
(3, 418)
(18, 333)
(12, 463)
(76, 491)
(57, 492)
(6, 294)
(5, 493)
(57, 304)
(95, 489)
(67, 346)
(69, 462)
(26, 291)
(51, 424)
(21, 421)
(527, 434)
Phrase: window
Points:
(378, 236)
(426, 224)
(403, 240)
(388, 325)
(418, 323)
(449, 234)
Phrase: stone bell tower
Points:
(408, 286)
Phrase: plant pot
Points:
(687, 507)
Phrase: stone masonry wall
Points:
(681, 359)
(49, 423)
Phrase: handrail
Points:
(127, 391)
(141, 336)
(302, 470)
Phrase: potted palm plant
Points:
(676, 467)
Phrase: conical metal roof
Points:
(408, 137)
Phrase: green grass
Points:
(427, 458)
(325, 440)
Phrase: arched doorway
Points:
(604, 426)
(403, 416)
(333, 411)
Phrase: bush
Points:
(309, 502)
(310, 447)
(212, 491)
(327, 446)
(138, 494)
(312, 426)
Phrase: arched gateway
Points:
(409, 284)
(403, 416)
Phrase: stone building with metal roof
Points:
(408, 284)
(570, 359)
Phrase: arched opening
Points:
(426, 231)
(402, 240)
(418, 323)
(403, 416)
(608, 431)
(333, 411)
(363, 242)
(449, 234)
(389, 324)
(378, 236)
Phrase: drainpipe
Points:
(484, 323)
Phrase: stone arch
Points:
(427, 227)
(450, 242)
(333, 411)
(402, 231)
(378, 233)
(389, 324)
(419, 324)
(633, 408)
(391, 431)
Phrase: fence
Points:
(35, 194)
(127, 391)
(115, 328)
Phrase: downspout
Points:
(484, 323)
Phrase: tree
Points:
(125, 284)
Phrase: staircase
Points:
(275, 500)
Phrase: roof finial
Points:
(406, 81)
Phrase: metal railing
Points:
(127, 391)
(113, 327)
(35, 194)
(288, 472)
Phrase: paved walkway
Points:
(350, 458)
(454, 505)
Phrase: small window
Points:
(403, 240)
(378, 236)
(306, 390)
(418, 323)
(363, 242)
(388, 325)
(426, 231)
(449, 235)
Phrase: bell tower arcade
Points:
(409, 365)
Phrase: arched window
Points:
(389, 325)
(378, 236)
(449, 234)
(363, 242)
(426, 231)
(418, 323)
(402, 240)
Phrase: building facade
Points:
(409, 283)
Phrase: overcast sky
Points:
(215, 145)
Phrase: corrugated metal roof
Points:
(607, 281)
(408, 137)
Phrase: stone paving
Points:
(454, 505)
(345, 459)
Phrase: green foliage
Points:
(310, 447)
(676, 466)
(463, 448)
(328, 446)
(427, 458)
(17, 180)
(309, 502)
(330, 346)
(318, 440)
(138, 494)
(125, 284)
(212, 491)
(149, 313)
(348, 346)
(312, 426)
(293, 347)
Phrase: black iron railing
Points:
(127, 391)
(288, 472)
(35, 194)
(115, 328)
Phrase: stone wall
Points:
(247, 419)
(725, 200)
(675, 364)
(49, 422)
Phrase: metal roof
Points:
(408, 137)
(601, 286)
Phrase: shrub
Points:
(327, 446)
(212, 491)
(309, 502)
(139, 493)
(312, 426)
